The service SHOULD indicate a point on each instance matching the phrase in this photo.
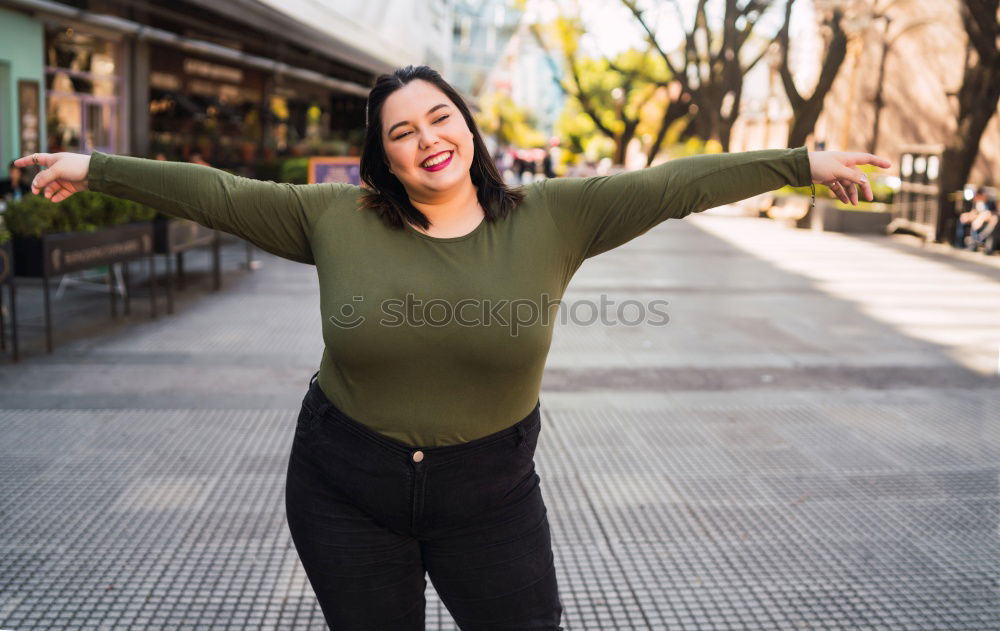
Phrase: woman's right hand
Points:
(65, 173)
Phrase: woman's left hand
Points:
(836, 170)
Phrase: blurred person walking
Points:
(413, 451)
(16, 185)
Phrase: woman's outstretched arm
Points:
(277, 218)
(596, 214)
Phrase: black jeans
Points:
(369, 515)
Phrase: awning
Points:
(208, 49)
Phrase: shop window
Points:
(82, 92)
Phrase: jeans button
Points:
(418, 456)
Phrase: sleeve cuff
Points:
(95, 173)
(803, 172)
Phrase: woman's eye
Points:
(437, 121)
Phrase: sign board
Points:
(345, 169)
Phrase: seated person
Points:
(963, 227)
(983, 228)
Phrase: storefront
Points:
(231, 115)
(83, 91)
(201, 106)
(231, 83)
(22, 108)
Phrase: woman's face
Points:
(420, 124)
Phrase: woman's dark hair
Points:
(387, 196)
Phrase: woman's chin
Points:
(441, 181)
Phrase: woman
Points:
(414, 448)
(16, 184)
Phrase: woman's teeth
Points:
(438, 159)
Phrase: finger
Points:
(43, 159)
(852, 192)
(845, 189)
(870, 158)
(61, 194)
(857, 176)
(838, 190)
(44, 178)
(58, 188)
(866, 188)
(850, 174)
(50, 191)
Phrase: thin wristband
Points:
(812, 202)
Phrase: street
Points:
(805, 444)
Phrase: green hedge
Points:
(34, 216)
(87, 211)
(293, 170)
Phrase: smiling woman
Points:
(413, 451)
(429, 167)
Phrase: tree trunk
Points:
(806, 111)
(674, 112)
(961, 151)
(804, 122)
(879, 99)
(977, 102)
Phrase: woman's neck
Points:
(454, 215)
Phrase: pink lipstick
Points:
(439, 166)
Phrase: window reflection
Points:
(82, 100)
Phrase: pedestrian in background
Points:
(16, 185)
(413, 451)
(977, 224)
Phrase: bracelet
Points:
(812, 202)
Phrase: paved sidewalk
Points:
(810, 443)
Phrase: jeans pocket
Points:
(530, 439)
(305, 423)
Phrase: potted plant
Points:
(85, 231)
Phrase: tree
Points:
(499, 116)
(806, 110)
(612, 93)
(712, 65)
(977, 97)
(889, 38)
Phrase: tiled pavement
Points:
(811, 442)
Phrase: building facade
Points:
(233, 81)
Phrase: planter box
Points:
(7, 278)
(790, 210)
(6, 262)
(63, 252)
(829, 218)
(174, 236)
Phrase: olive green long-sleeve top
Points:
(436, 341)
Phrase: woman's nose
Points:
(427, 138)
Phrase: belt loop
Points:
(520, 434)
(324, 405)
